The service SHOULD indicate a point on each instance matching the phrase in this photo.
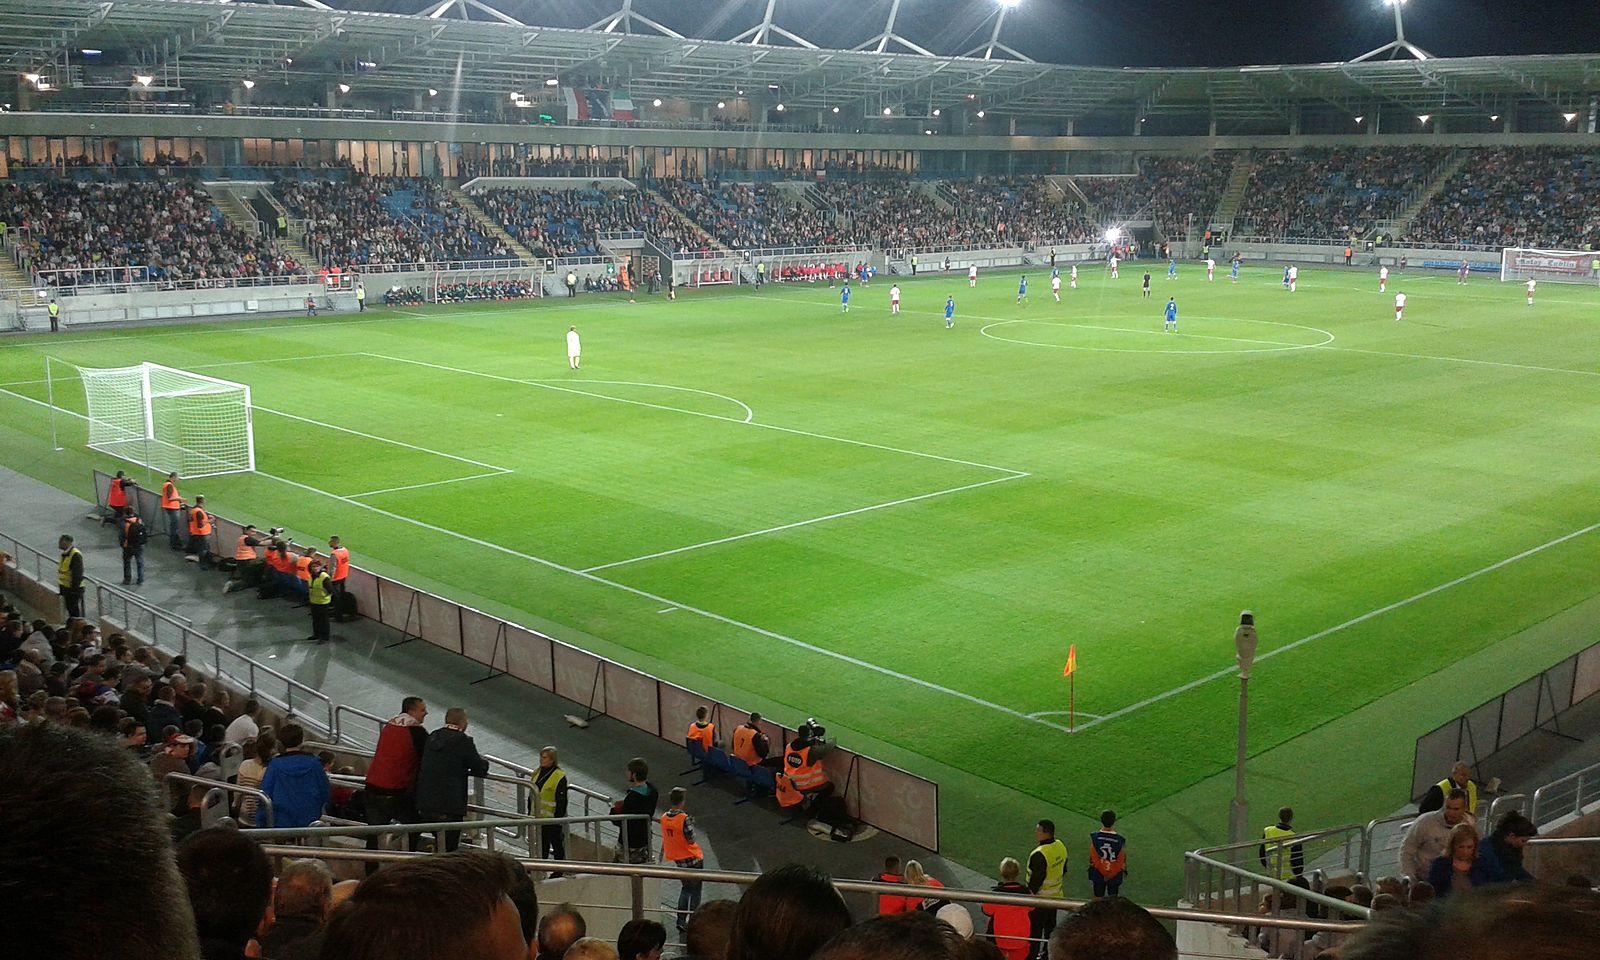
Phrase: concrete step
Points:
(490, 225)
(684, 217)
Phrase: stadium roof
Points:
(475, 47)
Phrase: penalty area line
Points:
(1353, 621)
(435, 483)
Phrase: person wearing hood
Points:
(449, 759)
(295, 782)
(1508, 842)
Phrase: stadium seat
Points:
(229, 759)
(697, 754)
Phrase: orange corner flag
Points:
(1072, 661)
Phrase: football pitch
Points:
(899, 529)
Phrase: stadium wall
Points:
(884, 796)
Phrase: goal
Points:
(168, 419)
(1559, 266)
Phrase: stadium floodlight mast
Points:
(1399, 45)
(988, 50)
(1245, 642)
(761, 34)
(880, 43)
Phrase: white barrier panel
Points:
(632, 698)
(579, 677)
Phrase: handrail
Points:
(1370, 830)
(373, 830)
(1333, 903)
(1561, 841)
(261, 798)
(1545, 793)
(640, 872)
(1298, 839)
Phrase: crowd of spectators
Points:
(1337, 193)
(362, 220)
(541, 167)
(1026, 206)
(751, 216)
(1169, 190)
(471, 291)
(569, 223)
(132, 232)
(1516, 196)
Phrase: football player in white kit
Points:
(1113, 268)
(1055, 284)
(1531, 285)
(1294, 278)
(1383, 279)
(1211, 269)
(894, 299)
(1399, 306)
(972, 275)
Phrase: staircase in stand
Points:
(1233, 196)
(1447, 168)
(290, 242)
(489, 225)
(12, 277)
(688, 221)
(1070, 192)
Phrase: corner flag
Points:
(1072, 661)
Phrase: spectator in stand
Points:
(163, 714)
(590, 948)
(135, 699)
(1465, 863)
(244, 726)
(449, 759)
(1509, 841)
(1460, 778)
(641, 940)
(1111, 929)
(709, 930)
(300, 905)
(1429, 833)
(1009, 926)
(912, 936)
(391, 782)
(1515, 196)
(174, 758)
(1541, 922)
(230, 884)
(63, 793)
(258, 754)
(641, 799)
(448, 907)
(889, 904)
(295, 782)
(558, 930)
(385, 220)
(786, 915)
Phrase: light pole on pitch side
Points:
(1244, 645)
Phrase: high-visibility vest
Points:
(280, 561)
(674, 845)
(199, 522)
(361, 293)
(243, 551)
(341, 563)
(544, 795)
(706, 733)
(1055, 867)
(320, 595)
(169, 496)
(1284, 860)
(302, 568)
(744, 744)
(55, 309)
(64, 572)
(116, 496)
(1446, 785)
(804, 773)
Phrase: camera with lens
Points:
(812, 730)
(275, 532)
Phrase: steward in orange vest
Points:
(802, 775)
(749, 743)
(199, 534)
(702, 730)
(117, 496)
(887, 902)
(678, 847)
(172, 505)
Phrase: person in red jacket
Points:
(1009, 926)
(887, 902)
(391, 792)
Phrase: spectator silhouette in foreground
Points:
(706, 937)
(446, 907)
(1112, 929)
(63, 793)
(300, 906)
(558, 930)
(1529, 921)
(786, 915)
(230, 885)
(903, 936)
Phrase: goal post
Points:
(169, 419)
(1520, 264)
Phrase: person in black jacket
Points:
(449, 759)
(642, 797)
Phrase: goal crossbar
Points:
(1518, 264)
(169, 419)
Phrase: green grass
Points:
(1125, 490)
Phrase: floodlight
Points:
(432, 92)
(288, 61)
(91, 52)
(144, 80)
(1113, 235)
(888, 111)
(344, 88)
(936, 111)
(835, 109)
(1494, 118)
(657, 102)
(980, 114)
(928, 132)
(515, 97)
(780, 108)
(1359, 119)
(1570, 116)
(1423, 118)
(722, 104)
(552, 82)
(1012, 3)
(248, 84)
(31, 77)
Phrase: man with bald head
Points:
(1460, 779)
(559, 930)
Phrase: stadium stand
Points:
(1332, 193)
(1168, 190)
(75, 233)
(1516, 196)
(366, 220)
(568, 223)
(751, 215)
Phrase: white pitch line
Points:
(657, 598)
(749, 414)
(1066, 713)
(208, 366)
(435, 483)
(372, 436)
(708, 416)
(1486, 363)
(1353, 621)
(803, 523)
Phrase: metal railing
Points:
(1566, 797)
(135, 279)
(1233, 873)
(494, 827)
(262, 800)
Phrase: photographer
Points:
(802, 777)
(246, 563)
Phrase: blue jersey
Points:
(1055, 273)
(1172, 311)
(949, 308)
(1172, 267)
(1236, 268)
(1022, 287)
(844, 294)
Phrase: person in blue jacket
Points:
(295, 782)
(1466, 864)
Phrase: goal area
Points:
(169, 419)
(1520, 264)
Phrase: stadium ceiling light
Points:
(980, 114)
(1494, 118)
(928, 132)
(936, 111)
(143, 80)
(288, 61)
(432, 92)
(1359, 119)
(780, 108)
(248, 84)
(657, 102)
(1570, 117)
(835, 109)
(552, 82)
(91, 52)
(344, 88)
(722, 104)
(888, 111)
(515, 96)
(31, 77)
(1423, 118)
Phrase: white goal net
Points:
(168, 419)
(1519, 264)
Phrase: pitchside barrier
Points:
(875, 792)
(1479, 735)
